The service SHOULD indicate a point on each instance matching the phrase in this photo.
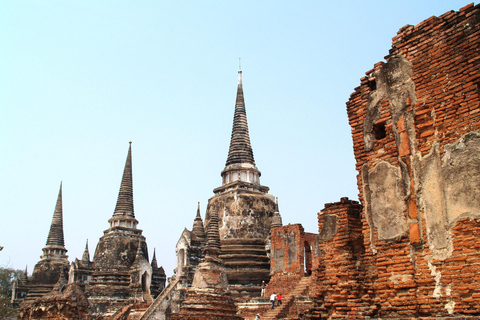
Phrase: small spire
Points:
(212, 247)
(198, 229)
(86, 254)
(125, 195)
(277, 218)
(139, 255)
(154, 260)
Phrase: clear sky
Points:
(80, 79)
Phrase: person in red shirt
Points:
(279, 299)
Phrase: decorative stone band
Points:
(241, 172)
(54, 252)
(125, 221)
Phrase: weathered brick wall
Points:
(340, 272)
(287, 258)
(287, 249)
(416, 134)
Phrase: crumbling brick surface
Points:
(207, 305)
(292, 257)
(70, 304)
(287, 254)
(416, 136)
(340, 271)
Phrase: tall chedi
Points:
(53, 264)
(245, 211)
(121, 272)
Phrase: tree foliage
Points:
(7, 276)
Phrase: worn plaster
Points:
(386, 201)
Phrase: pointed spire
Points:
(125, 195)
(277, 218)
(154, 260)
(240, 149)
(55, 246)
(240, 171)
(198, 230)
(55, 236)
(86, 254)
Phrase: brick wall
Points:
(415, 123)
(287, 258)
(340, 271)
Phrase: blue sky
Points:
(80, 79)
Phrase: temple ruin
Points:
(408, 249)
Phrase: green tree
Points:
(7, 276)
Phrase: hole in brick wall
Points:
(372, 84)
(379, 130)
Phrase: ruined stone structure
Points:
(409, 249)
(340, 271)
(416, 133)
(53, 264)
(121, 271)
(157, 283)
(81, 270)
(412, 250)
(119, 275)
(189, 249)
(208, 298)
(245, 211)
(292, 256)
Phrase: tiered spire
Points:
(198, 230)
(240, 170)
(277, 218)
(240, 149)
(125, 195)
(154, 260)
(86, 254)
(212, 248)
(55, 246)
(55, 236)
(124, 215)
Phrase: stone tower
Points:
(122, 274)
(53, 262)
(245, 211)
(208, 297)
(158, 277)
(189, 249)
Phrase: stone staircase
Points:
(280, 312)
(37, 292)
(138, 310)
(161, 297)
